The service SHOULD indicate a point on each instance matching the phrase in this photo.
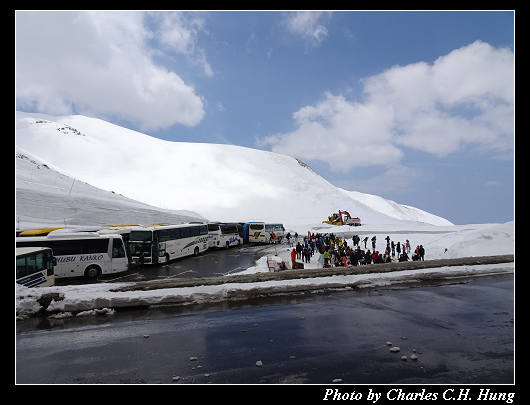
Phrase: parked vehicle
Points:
(343, 218)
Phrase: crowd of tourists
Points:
(340, 252)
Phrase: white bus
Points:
(160, 244)
(277, 230)
(261, 232)
(82, 254)
(224, 235)
(35, 267)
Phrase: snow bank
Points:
(45, 196)
(260, 267)
(74, 299)
(498, 238)
(439, 242)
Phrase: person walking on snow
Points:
(327, 257)
(293, 258)
(298, 251)
(421, 252)
(307, 254)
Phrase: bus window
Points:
(137, 248)
(117, 248)
(140, 242)
(66, 247)
(185, 232)
(141, 236)
(95, 246)
(49, 262)
(22, 271)
(31, 264)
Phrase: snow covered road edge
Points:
(69, 300)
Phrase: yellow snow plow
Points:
(342, 218)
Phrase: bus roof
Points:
(156, 227)
(38, 231)
(66, 236)
(77, 229)
(120, 225)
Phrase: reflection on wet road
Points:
(462, 332)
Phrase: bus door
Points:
(162, 250)
(119, 260)
(155, 250)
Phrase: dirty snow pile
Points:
(78, 299)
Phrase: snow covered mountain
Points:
(47, 197)
(219, 182)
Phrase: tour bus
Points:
(162, 243)
(82, 254)
(277, 229)
(35, 267)
(224, 235)
(261, 232)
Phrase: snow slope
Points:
(220, 182)
(47, 197)
(394, 210)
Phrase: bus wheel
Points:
(167, 257)
(92, 272)
(196, 251)
(227, 245)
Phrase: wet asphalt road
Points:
(462, 331)
(211, 263)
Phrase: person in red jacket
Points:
(293, 258)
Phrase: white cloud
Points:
(342, 133)
(463, 98)
(179, 31)
(309, 25)
(98, 63)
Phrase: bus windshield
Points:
(137, 248)
(141, 236)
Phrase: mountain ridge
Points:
(219, 182)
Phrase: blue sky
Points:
(417, 107)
